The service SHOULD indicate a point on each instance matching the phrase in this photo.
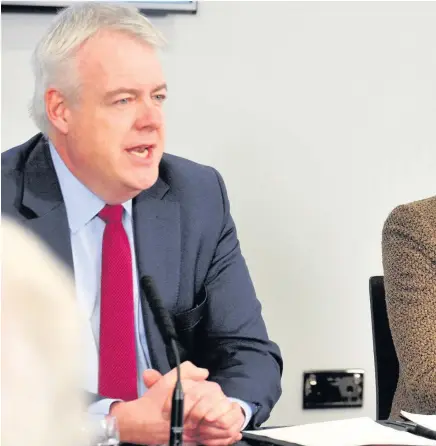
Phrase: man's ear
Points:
(56, 109)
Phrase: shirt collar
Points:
(82, 205)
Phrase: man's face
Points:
(115, 131)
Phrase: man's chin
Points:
(144, 184)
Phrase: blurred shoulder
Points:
(416, 214)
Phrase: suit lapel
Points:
(157, 242)
(42, 195)
(42, 202)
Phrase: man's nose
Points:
(149, 116)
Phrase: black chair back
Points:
(386, 361)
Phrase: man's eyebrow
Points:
(133, 91)
(163, 86)
(116, 92)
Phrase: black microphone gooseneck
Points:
(168, 332)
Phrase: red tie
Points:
(117, 365)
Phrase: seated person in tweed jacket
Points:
(409, 261)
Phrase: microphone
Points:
(168, 332)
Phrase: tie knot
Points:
(112, 214)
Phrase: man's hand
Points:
(224, 430)
(210, 417)
(146, 420)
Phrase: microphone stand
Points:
(168, 331)
(176, 430)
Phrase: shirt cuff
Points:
(247, 408)
(101, 408)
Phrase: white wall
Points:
(321, 118)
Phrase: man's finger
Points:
(222, 442)
(202, 399)
(192, 398)
(190, 371)
(189, 437)
(236, 415)
(217, 411)
(207, 430)
(207, 404)
(214, 433)
(187, 385)
(151, 377)
(210, 435)
(209, 441)
(187, 371)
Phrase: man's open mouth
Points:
(141, 151)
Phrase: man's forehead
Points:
(106, 46)
(120, 64)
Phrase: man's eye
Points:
(160, 97)
(123, 101)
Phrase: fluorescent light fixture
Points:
(156, 5)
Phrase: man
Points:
(98, 189)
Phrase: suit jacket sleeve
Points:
(249, 365)
(410, 283)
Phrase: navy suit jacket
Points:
(186, 240)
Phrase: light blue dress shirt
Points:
(86, 230)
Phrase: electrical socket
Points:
(324, 389)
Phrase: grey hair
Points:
(53, 58)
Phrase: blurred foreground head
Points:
(41, 376)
